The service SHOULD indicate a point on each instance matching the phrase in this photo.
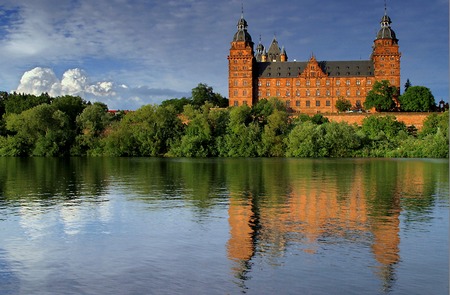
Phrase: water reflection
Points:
(274, 208)
(325, 202)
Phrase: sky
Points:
(136, 52)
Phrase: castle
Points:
(311, 86)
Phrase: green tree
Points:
(197, 140)
(343, 104)
(381, 96)
(243, 135)
(40, 131)
(149, 131)
(177, 103)
(17, 103)
(306, 141)
(72, 106)
(417, 99)
(91, 123)
(274, 134)
(434, 123)
(203, 93)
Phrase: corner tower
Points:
(240, 67)
(386, 55)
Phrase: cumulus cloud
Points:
(77, 82)
(74, 82)
(39, 80)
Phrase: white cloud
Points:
(74, 82)
(38, 81)
(77, 82)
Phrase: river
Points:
(224, 226)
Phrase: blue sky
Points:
(131, 53)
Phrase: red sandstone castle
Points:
(312, 86)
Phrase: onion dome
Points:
(386, 32)
(242, 34)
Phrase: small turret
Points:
(283, 56)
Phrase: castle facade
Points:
(308, 86)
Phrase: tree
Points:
(343, 104)
(417, 99)
(177, 103)
(203, 93)
(40, 131)
(17, 103)
(407, 85)
(381, 96)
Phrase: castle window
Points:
(347, 82)
(338, 74)
(317, 103)
(245, 82)
(259, 93)
(235, 93)
(358, 104)
(268, 74)
(297, 83)
(288, 83)
(278, 93)
(348, 73)
(338, 82)
(318, 83)
(328, 92)
(288, 103)
(278, 83)
(308, 82)
(327, 82)
(267, 83)
(279, 74)
(328, 103)
(259, 83)
(297, 93)
(369, 82)
(297, 103)
(317, 92)
(235, 82)
(308, 93)
(244, 92)
(236, 103)
(358, 92)
(268, 93)
(348, 92)
(338, 92)
(308, 103)
(288, 93)
(244, 102)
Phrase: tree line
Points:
(202, 126)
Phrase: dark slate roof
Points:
(331, 68)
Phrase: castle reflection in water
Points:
(357, 207)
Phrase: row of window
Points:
(318, 82)
(307, 93)
(297, 103)
(298, 93)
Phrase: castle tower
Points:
(240, 67)
(386, 55)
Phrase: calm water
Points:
(224, 226)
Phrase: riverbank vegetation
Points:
(200, 126)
